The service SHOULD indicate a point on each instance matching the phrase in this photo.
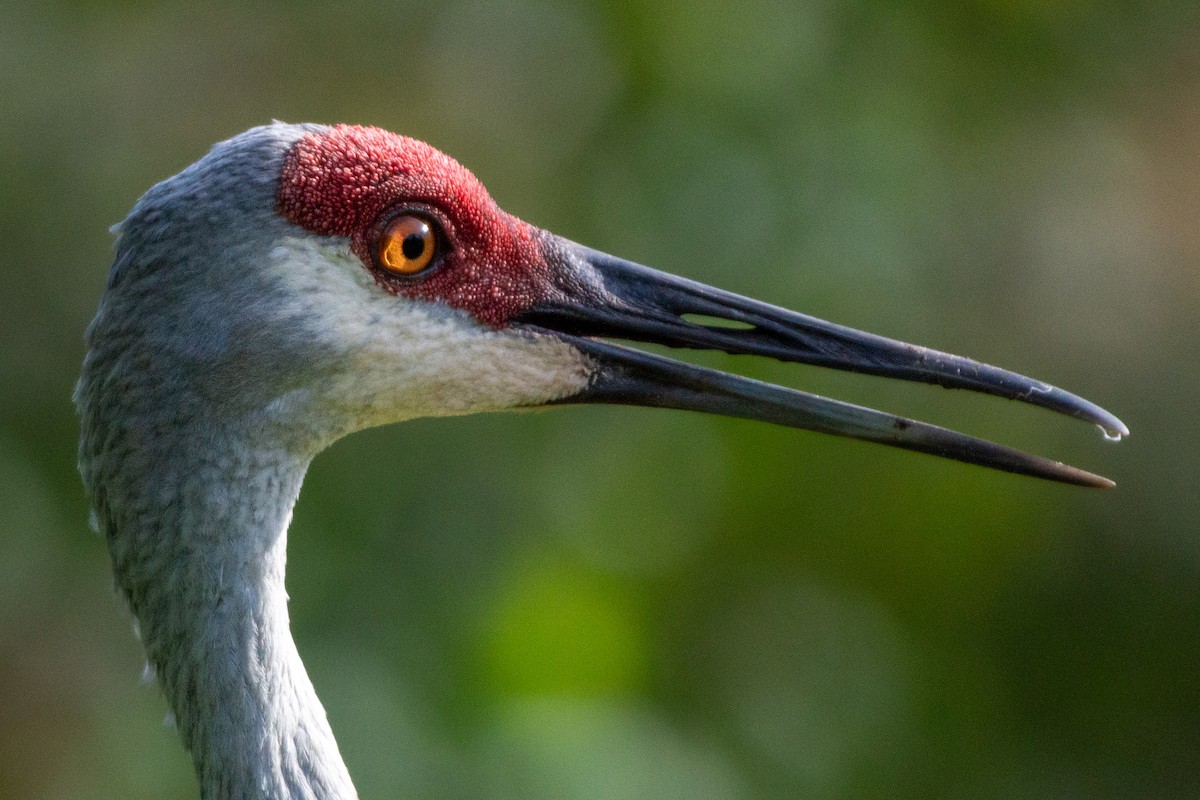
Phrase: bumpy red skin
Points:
(350, 180)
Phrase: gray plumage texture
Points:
(230, 347)
(193, 484)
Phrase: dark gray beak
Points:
(603, 296)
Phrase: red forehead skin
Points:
(345, 180)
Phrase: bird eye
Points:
(407, 246)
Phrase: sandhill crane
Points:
(300, 282)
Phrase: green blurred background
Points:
(622, 603)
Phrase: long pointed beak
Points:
(604, 296)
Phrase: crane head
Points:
(325, 279)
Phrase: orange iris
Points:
(407, 245)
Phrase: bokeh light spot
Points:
(558, 630)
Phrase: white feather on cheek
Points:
(382, 358)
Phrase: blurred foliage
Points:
(619, 603)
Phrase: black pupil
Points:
(413, 246)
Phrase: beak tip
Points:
(1113, 429)
(1073, 405)
(1081, 477)
(1118, 431)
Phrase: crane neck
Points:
(197, 531)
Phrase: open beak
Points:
(604, 296)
